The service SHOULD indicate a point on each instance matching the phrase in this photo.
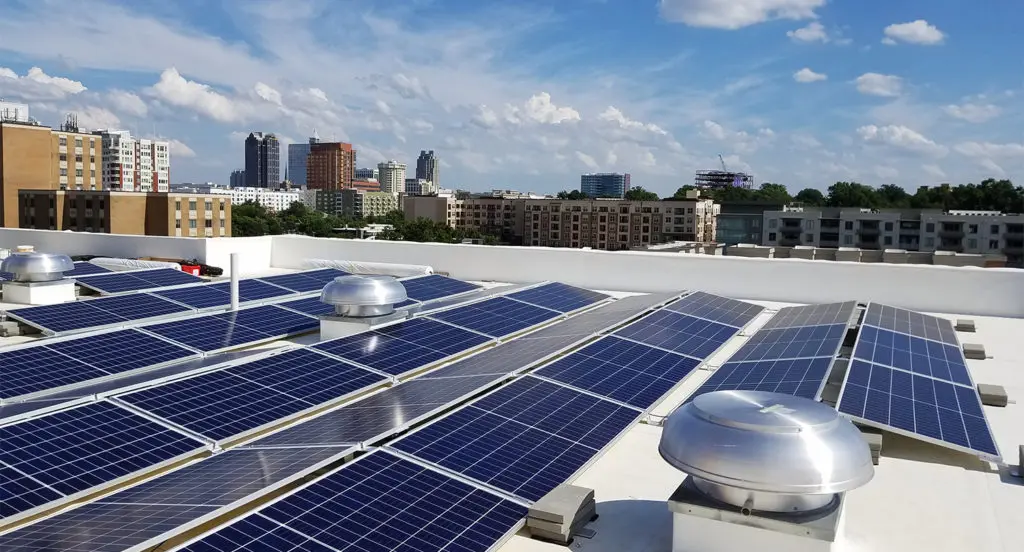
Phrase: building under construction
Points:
(723, 179)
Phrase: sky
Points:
(528, 95)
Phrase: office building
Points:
(237, 179)
(262, 161)
(115, 212)
(418, 186)
(134, 164)
(428, 167)
(391, 175)
(742, 221)
(13, 112)
(330, 166)
(36, 157)
(366, 174)
(297, 157)
(274, 200)
(604, 185)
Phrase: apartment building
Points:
(115, 212)
(330, 166)
(978, 232)
(391, 175)
(355, 203)
(36, 157)
(419, 186)
(743, 221)
(275, 200)
(134, 164)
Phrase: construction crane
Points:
(722, 161)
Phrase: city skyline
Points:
(507, 100)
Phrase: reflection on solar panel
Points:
(271, 319)
(803, 377)
(378, 502)
(84, 268)
(435, 286)
(812, 315)
(558, 296)
(137, 514)
(623, 370)
(920, 356)
(302, 282)
(252, 290)
(910, 323)
(799, 342)
(525, 438)
(693, 337)
(716, 309)
(233, 329)
(312, 306)
(403, 347)
(918, 406)
(105, 311)
(497, 317)
(120, 282)
(198, 297)
(229, 402)
(79, 448)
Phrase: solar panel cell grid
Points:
(800, 377)
(918, 405)
(197, 297)
(121, 351)
(271, 320)
(716, 309)
(83, 268)
(435, 286)
(911, 323)
(812, 315)
(66, 317)
(114, 282)
(308, 375)
(20, 493)
(208, 333)
(35, 369)
(496, 317)
(137, 306)
(683, 334)
(913, 354)
(559, 297)
(303, 282)
(312, 306)
(798, 342)
(252, 290)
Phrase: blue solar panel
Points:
(716, 309)
(526, 438)
(435, 286)
(121, 351)
(21, 493)
(83, 268)
(623, 370)
(913, 354)
(114, 282)
(252, 290)
(802, 377)
(379, 502)
(228, 402)
(910, 323)
(105, 311)
(163, 277)
(209, 333)
(919, 406)
(798, 342)
(35, 369)
(812, 315)
(137, 306)
(271, 319)
(403, 347)
(312, 306)
(302, 282)
(73, 450)
(683, 334)
(198, 297)
(496, 317)
(558, 296)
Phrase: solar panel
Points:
(312, 306)
(302, 282)
(797, 342)
(403, 347)
(252, 290)
(558, 296)
(73, 450)
(198, 297)
(137, 514)
(812, 315)
(137, 306)
(680, 333)
(910, 323)
(35, 369)
(913, 354)
(497, 317)
(21, 493)
(121, 351)
(435, 286)
(105, 311)
(716, 309)
(163, 277)
(803, 377)
(378, 502)
(525, 438)
(120, 282)
(921, 407)
(209, 333)
(623, 370)
(236, 400)
(271, 319)
(84, 268)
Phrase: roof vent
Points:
(764, 466)
(363, 296)
(28, 265)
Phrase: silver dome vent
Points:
(363, 296)
(766, 452)
(28, 265)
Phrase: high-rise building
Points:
(330, 166)
(418, 186)
(611, 185)
(366, 174)
(428, 167)
(134, 164)
(262, 161)
(391, 175)
(237, 179)
(297, 156)
(13, 112)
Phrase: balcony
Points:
(951, 234)
(790, 241)
(868, 231)
(790, 231)
(950, 246)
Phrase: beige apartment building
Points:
(112, 212)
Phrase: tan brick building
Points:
(110, 212)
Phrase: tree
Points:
(891, 195)
(851, 194)
(811, 197)
(573, 195)
(681, 192)
(640, 194)
(774, 193)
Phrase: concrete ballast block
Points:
(992, 395)
(562, 504)
(974, 351)
(964, 325)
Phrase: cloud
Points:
(612, 114)
(735, 14)
(587, 160)
(973, 113)
(95, 118)
(813, 32)
(901, 137)
(267, 93)
(540, 109)
(176, 90)
(36, 85)
(915, 32)
(990, 150)
(876, 84)
(807, 75)
(128, 103)
(180, 149)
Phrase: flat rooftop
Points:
(923, 496)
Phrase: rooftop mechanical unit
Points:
(766, 471)
(37, 277)
(360, 303)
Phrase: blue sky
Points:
(528, 95)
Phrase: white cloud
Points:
(807, 75)
(972, 112)
(901, 137)
(990, 150)
(36, 85)
(915, 32)
(612, 114)
(180, 149)
(178, 91)
(813, 32)
(587, 160)
(95, 118)
(735, 14)
(540, 109)
(267, 93)
(128, 103)
(876, 84)
(714, 130)
(383, 107)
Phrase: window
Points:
(808, 224)
(972, 228)
(209, 223)
(192, 205)
(78, 142)
(888, 240)
(994, 229)
(177, 205)
(848, 225)
(209, 205)
(888, 227)
(63, 157)
(222, 223)
(63, 172)
(192, 223)
(929, 242)
(771, 236)
(63, 140)
(177, 223)
(848, 240)
(78, 172)
(78, 159)
(930, 227)
(972, 243)
(993, 244)
(809, 238)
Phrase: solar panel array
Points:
(136, 280)
(435, 286)
(497, 317)
(715, 308)
(792, 354)
(909, 375)
(228, 330)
